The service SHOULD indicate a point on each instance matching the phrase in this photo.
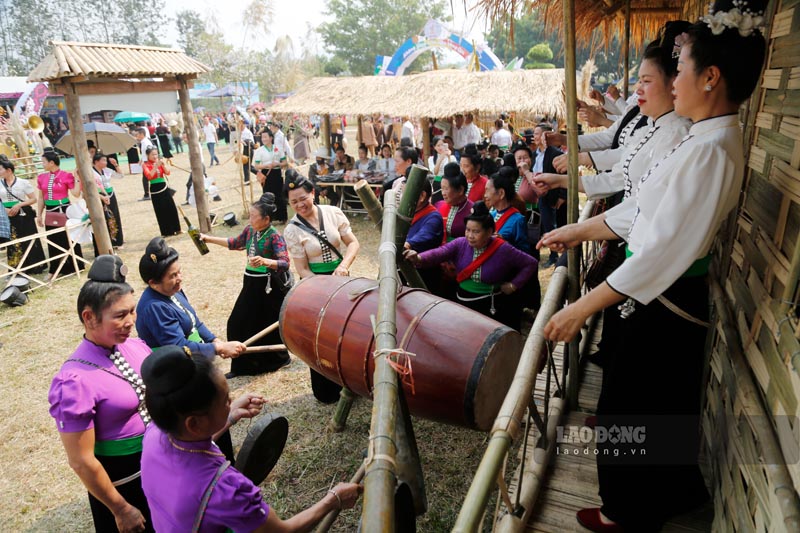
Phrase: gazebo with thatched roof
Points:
(84, 69)
(439, 93)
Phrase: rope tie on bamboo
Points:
(399, 360)
(387, 246)
(780, 323)
(372, 456)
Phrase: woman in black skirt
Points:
(268, 158)
(260, 300)
(18, 196)
(102, 176)
(163, 134)
(163, 204)
(55, 186)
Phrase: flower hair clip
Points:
(680, 40)
(739, 17)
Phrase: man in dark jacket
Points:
(553, 205)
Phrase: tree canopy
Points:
(362, 29)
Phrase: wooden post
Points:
(359, 139)
(380, 479)
(89, 187)
(425, 124)
(194, 156)
(626, 49)
(573, 264)
(405, 212)
(326, 127)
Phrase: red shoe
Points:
(590, 519)
(590, 421)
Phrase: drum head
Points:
(262, 447)
(13, 297)
(21, 282)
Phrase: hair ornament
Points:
(292, 184)
(154, 258)
(187, 351)
(739, 17)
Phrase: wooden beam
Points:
(190, 125)
(626, 50)
(655, 10)
(119, 87)
(85, 173)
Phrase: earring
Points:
(708, 87)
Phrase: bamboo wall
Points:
(757, 257)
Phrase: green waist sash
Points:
(477, 287)
(10, 204)
(109, 190)
(115, 448)
(158, 180)
(697, 269)
(324, 268)
(256, 270)
(53, 203)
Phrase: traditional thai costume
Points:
(23, 224)
(98, 388)
(481, 272)
(113, 220)
(161, 196)
(191, 487)
(426, 233)
(163, 320)
(55, 187)
(259, 301)
(274, 182)
(669, 225)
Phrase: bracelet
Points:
(338, 499)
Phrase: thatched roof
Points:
(68, 60)
(439, 93)
(647, 16)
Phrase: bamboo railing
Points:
(517, 408)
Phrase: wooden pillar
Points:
(626, 49)
(326, 133)
(359, 140)
(425, 124)
(89, 187)
(573, 267)
(195, 162)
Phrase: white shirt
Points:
(662, 135)
(385, 164)
(264, 155)
(599, 144)
(502, 137)
(673, 217)
(144, 144)
(281, 144)
(210, 132)
(20, 188)
(247, 135)
(472, 134)
(444, 159)
(408, 131)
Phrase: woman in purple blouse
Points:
(97, 400)
(490, 271)
(188, 482)
(259, 302)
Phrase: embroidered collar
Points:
(709, 124)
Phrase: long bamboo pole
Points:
(405, 212)
(380, 478)
(425, 124)
(507, 424)
(573, 265)
(626, 50)
(331, 517)
(369, 201)
(196, 164)
(88, 186)
(326, 126)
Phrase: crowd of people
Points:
(669, 164)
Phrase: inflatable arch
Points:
(435, 36)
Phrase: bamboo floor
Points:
(571, 479)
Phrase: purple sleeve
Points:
(528, 265)
(447, 252)
(236, 503)
(239, 242)
(71, 403)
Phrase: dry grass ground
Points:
(39, 492)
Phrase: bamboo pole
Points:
(267, 348)
(507, 424)
(369, 201)
(572, 192)
(339, 420)
(326, 125)
(266, 331)
(425, 124)
(790, 290)
(240, 149)
(331, 517)
(774, 462)
(408, 206)
(88, 186)
(380, 479)
(204, 221)
(626, 50)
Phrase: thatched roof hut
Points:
(439, 93)
(647, 16)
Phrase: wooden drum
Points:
(464, 361)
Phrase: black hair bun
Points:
(108, 269)
(267, 198)
(479, 210)
(167, 370)
(157, 258)
(451, 170)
